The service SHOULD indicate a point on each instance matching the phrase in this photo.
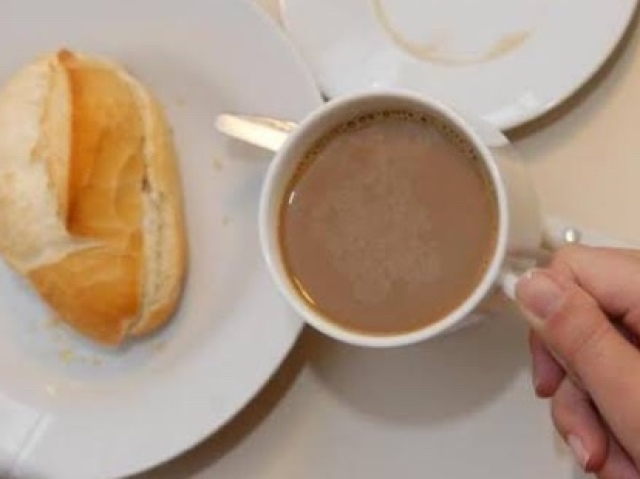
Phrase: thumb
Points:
(572, 324)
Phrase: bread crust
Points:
(93, 191)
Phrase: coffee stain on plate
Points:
(437, 51)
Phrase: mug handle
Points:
(558, 233)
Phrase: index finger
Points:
(610, 276)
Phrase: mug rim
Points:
(269, 229)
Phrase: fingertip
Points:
(580, 452)
(598, 453)
(591, 455)
(617, 464)
(539, 294)
(546, 373)
(579, 423)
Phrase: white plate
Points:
(70, 410)
(508, 61)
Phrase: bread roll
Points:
(90, 200)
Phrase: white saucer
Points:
(508, 61)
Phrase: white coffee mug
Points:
(519, 218)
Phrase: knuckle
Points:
(587, 345)
(560, 319)
(567, 254)
(567, 259)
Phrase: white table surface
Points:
(335, 412)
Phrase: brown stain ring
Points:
(435, 52)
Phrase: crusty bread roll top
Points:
(90, 200)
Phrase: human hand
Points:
(584, 309)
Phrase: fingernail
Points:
(539, 294)
(579, 451)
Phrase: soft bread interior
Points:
(92, 211)
(31, 204)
